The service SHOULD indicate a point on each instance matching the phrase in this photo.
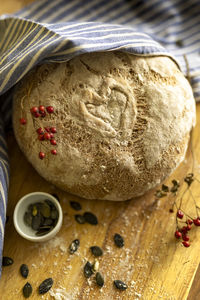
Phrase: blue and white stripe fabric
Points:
(57, 30)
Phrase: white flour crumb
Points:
(54, 243)
(59, 294)
(133, 283)
(63, 248)
(138, 295)
(89, 282)
(108, 249)
(34, 266)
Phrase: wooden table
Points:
(152, 262)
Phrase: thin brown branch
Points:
(194, 202)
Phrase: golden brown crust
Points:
(123, 122)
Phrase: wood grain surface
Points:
(152, 263)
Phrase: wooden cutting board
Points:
(152, 263)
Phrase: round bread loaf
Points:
(123, 122)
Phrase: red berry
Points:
(41, 155)
(40, 130)
(53, 129)
(47, 136)
(189, 222)
(180, 214)
(34, 109)
(41, 137)
(189, 227)
(47, 129)
(50, 109)
(178, 234)
(184, 229)
(185, 238)
(186, 244)
(51, 135)
(196, 222)
(43, 114)
(22, 121)
(54, 152)
(41, 108)
(36, 115)
(53, 142)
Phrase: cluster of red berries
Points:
(40, 111)
(47, 134)
(183, 232)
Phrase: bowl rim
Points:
(47, 236)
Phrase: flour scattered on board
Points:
(59, 294)
(54, 243)
(62, 294)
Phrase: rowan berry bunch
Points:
(184, 222)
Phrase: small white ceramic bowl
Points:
(22, 206)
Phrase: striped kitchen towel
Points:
(57, 30)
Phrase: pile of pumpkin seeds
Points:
(89, 268)
(41, 217)
(27, 289)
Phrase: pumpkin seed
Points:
(43, 231)
(88, 269)
(165, 188)
(99, 279)
(7, 261)
(27, 290)
(39, 205)
(24, 270)
(80, 219)
(54, 214)
(75, 205)
(120, 285)
(74, 246)
(119, 241)
(28, 218)
(189, 178)
(96, 251)
(95, 265)
(44, 220)
(34, 211)
(30, 208)
(50, 203)
(45, 210)
(48, 222)
(45, 286)
(90, 218)
(37, 221)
